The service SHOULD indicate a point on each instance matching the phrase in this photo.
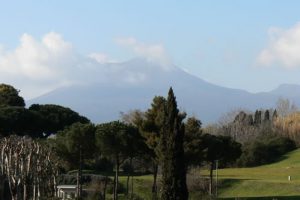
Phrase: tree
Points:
(221, 148)
(133, 117)
(275, 115)
(267, 116)
(257, 117)
(75, 144)
(53, 118)
(31, 167)
(265, 149)
(138, 149)
(9, 96)
(38, 121)
(172, 152)
(18, 120)
(114, 140)
(193, 142)
(285, 107)
(151, 129)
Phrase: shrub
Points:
(265, 150)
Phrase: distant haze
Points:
(133, 84)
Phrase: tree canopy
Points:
(9, 96)
(172, 152)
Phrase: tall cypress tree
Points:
(275, 115)
(257, 117)
(172, 153)
(267, 116)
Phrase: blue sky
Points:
(248, 45)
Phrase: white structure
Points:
(66, 191)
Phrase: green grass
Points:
(263, 181)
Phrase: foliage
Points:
(115, 139)
(18, 120)
(289, 126)
(265, 149)
(38, 121)
(222, 148)
(118, 142)
(54, 117)
(285, 107)
(193, 142)
(172, 152)
(75, 140)
(9, 96)
(246, 127)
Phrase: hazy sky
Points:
(252, 45)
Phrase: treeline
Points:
(265, 135)
(161, 140)
(158, 139)
(37, 121)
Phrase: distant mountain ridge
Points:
(133, 84)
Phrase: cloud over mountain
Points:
(37, 66)
(151, 52)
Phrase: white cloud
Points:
(152, 52)
(102, 58)
(39, 66)
(283, 48)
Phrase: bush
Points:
(110, 188)
(265, 150)
(103, 165)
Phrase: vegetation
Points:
(155, 149)
(172, 152)
(9, 96)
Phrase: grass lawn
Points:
(263, 181)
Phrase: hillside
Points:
(133, 84)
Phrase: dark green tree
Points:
(267, 116)
(9, 96)
(193, 142)
(18, 120)
(38, 121)
(76, 144)
(114, 140)
(53, 118)
(257, 117)
(221, 148)
(151, 128)
(172, 152)
(275, 115)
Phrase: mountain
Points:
(133, 84)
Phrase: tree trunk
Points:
(127, 185)
(105, 186)
(154, 185)
(131, 186)
(77, 185)
(79, 175)
(24, 191)
(116, 179)
(128, 177)
(211, 178)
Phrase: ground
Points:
(263, 182)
